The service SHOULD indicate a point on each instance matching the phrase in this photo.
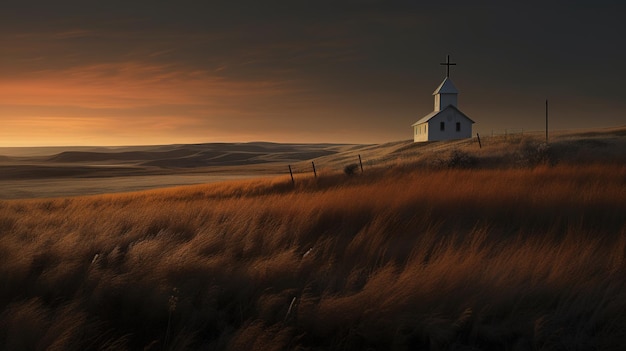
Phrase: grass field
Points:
(451, 256)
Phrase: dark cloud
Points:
(371, 64)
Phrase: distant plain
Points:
(42, 172)
(71, 171)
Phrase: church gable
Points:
(450, 120)
(454, 112)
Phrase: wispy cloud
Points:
(132, 101)
(131, 84)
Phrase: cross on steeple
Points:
(448, 63)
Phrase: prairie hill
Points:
(138, 167)
(203, 155)
(527, 149)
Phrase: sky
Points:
(343, 71)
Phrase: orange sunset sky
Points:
(158, 72)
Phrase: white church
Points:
(446, 122)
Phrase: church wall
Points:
(420, 132)
(450, 119)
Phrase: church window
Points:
(458, 126)
(442, 126)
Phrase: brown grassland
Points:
(531, 257)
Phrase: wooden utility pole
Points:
(546, 121)
(480, 145)
(314, 172)
(360, 163)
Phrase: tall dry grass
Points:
(398, 259)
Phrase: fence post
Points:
(360, 163)
(291, 174)
(314, 171)
(480, 145)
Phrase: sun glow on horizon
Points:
(127, 103)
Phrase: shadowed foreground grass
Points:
(399, 259)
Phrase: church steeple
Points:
(445, 95)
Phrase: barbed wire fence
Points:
(359, 163)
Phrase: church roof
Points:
(431, 115)
(446, 87)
